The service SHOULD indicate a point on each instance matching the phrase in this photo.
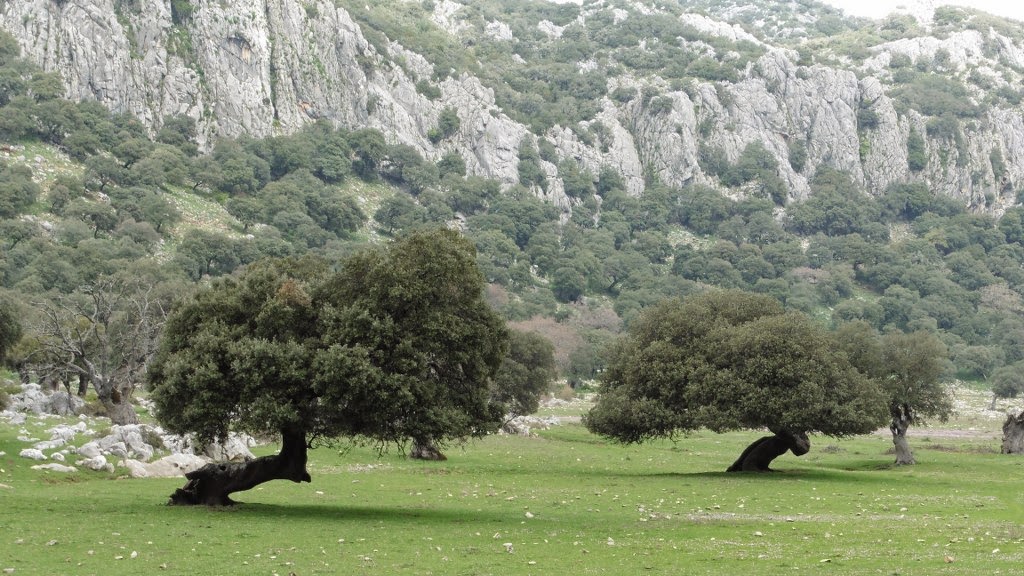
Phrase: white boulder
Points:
(175, 465)
(55, 468)
(90, 449)
(98, 463)
(135, 468)
(49, 444)
(32, 454)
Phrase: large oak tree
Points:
(729, 360)
(397, 343)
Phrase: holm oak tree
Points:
(396, 343)
(729, 360)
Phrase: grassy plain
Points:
(563, 502)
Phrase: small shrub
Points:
(428, 89)
(998, 164)
(623, 94)
(916, 157)
(150, 436)
(797, 155)
(867, 118)
(563, 391)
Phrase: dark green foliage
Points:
(1008, 381)
(370, 149)
(399, 213)
(728, 360)
(236, 170)
(99, 216)
(247, 210)
(1012, 225)
(908, 365)
(453, 164)
(712, 159)
(179, 131)
(998, 164)
(797, 155)
(867, 119)
(578, 183)
(428, 89)
(917, 158)
(702, 209)
(10, 326)
(472, 195)
(526, 373)
(836, 207)
(9, 49)
(398, 343)
(163, 165)
(910, 201)
(530, 172)
(404, 165)
(158, 210)
(17, 190)
(753, 161)
(936, 95)
(568, 284)
(205, 253)
(447, 125)
(181, 11)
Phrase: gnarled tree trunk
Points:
(212, 484)
(1013, 433)
(119, 408)
(758, 456)
(901, 419)
(426, 450)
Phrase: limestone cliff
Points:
(265, 67)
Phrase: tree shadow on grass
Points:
(307, 512)
(823, 474)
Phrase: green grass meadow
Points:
(563, 502)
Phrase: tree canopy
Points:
(10, 326)
(397, 343)
(730, 360)
(526, 373)
(908, 367)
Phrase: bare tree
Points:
(105, 333)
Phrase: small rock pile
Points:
(32, 400)
(131, 447)
(525, 425)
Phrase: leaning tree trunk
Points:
(426, 450)
(212, 484)
(758, 456)
(1013, 433)
(901, 420)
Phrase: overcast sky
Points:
(880, 8)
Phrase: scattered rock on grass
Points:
(32, 453)
(54, 467)
(98, 463)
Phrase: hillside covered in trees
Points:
(107, 216)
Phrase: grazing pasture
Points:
(562, 502)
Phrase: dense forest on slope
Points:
(89, 196)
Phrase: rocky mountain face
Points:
(265, 67)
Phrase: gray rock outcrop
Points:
(266, 67)
(34, 400)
